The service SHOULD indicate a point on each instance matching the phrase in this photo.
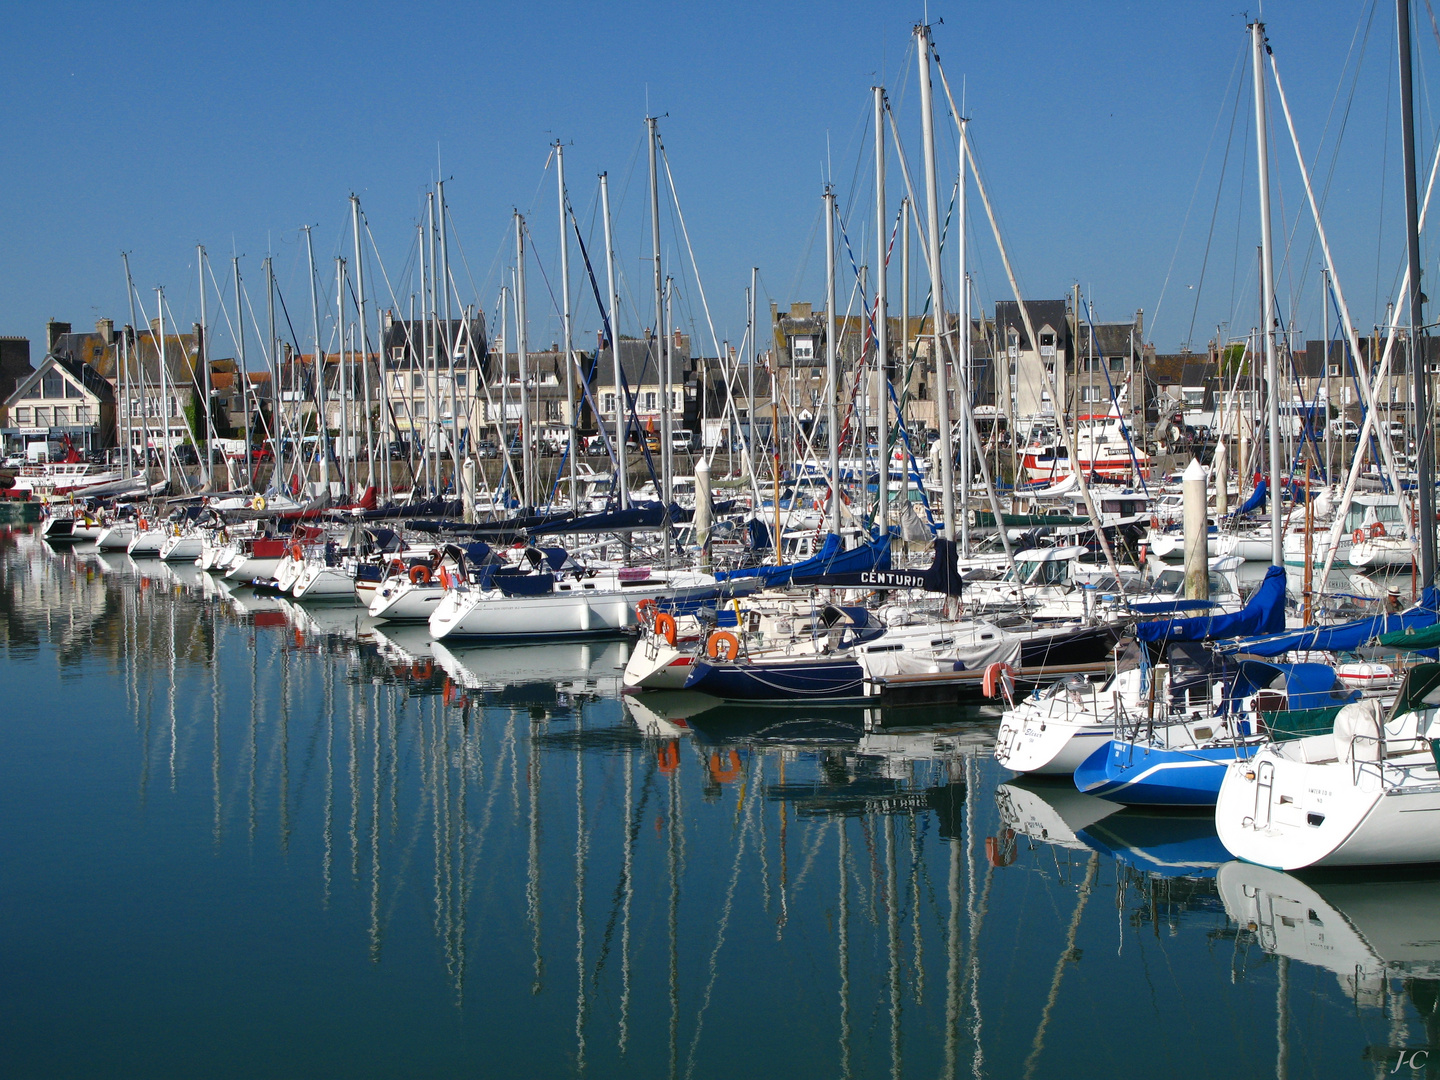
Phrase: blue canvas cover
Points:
(1306, 686)
(1263, 613)
(832, 558)
(1348, 636)
(1256, 499)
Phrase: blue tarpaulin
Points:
(1256, 499)
(832, 558)
(1263, 613)
(1345, 636)
(1306, 686)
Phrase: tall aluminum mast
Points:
(662, 352)
(522, 341)
(202, 357)
(322, 426)
(882, 326)
(569, 343)
(1267, 287)
(1419, 354)
(937, 292)
(623, 463)
(832, 367)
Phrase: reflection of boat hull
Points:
(1168, 844)
(1049, 812)
(1363, 931)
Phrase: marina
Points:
(494, 859)
(430, 658)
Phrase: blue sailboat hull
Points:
(1140, 775)
(822, 679)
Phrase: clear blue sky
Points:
(150, 128)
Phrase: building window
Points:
(460, 381)
(397, 354)
(607, 402)
(42, 418)
(1117, 363)
(802, 348)
(22, 417)
(1333, 370)
(1091, 363)
(1047, 344)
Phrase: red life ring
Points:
(297, 553)
(1377, 529)
(722, 641)
(665, 626)
(397, 567)
(1358, 536)
(997, 680)
(644, 611)
(420, 575)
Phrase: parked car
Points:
(14, 461)
(486, 448)
(682, 440)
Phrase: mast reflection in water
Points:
(245, 837)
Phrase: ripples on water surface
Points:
(244, 838)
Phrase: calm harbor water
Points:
(243, 838)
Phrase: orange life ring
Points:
(444, 578)
(997, 680)
(665, 626)
(1377, 529)
(1358, 536)
(144, 524)
(420, 575)
(644, 611)
(297, 553)
(1154, 521)
(397, 567)
(423, 670)
(722, 641)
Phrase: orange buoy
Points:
(722, 642)
(665, 626)
(419, 575)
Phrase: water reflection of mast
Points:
(215, 727)
(976, 918)
(374, 712)
(672, 862)
(629, 892)
(952, 942)
(286, 689)
(580, 846)
(1066, 955)
(892, 926)
(844, 873)
(532, 877)
(1282, 1009)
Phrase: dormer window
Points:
(1047, 344)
